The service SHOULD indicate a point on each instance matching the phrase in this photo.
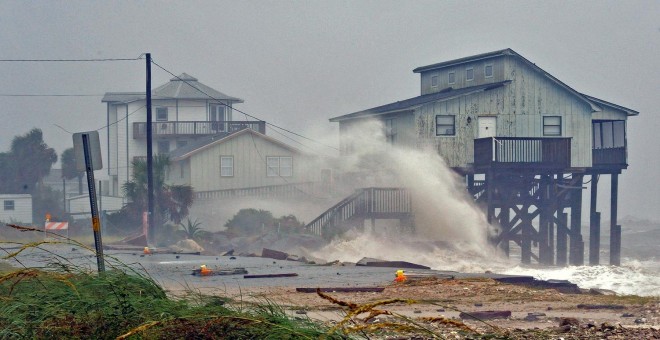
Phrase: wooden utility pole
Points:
(150, 178)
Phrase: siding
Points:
(459, 71)
(519, 108)
(22, 209)
(249, 154)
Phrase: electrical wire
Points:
(245, 113)
(72, 60)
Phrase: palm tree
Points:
(171, 202)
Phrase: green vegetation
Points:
(171, 202)
(68, 302)
(253, 222)
(192, 230)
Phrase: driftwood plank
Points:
(261, 276)
(342, 290)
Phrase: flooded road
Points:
(174, 271)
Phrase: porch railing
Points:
(522, 151)
(195, 128)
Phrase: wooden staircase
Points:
(363, 204)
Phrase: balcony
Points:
(609, 158)
(522, 153)
(195, 128)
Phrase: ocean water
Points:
(633, 277)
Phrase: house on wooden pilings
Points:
(531, 140)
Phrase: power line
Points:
(245, 113)
(71, 60)
(48, 95)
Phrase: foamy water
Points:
(633, 277)
(451, 232)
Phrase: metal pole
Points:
(96, 223)
(150, 179)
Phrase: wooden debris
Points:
(274, 254)
(262, 276)
(590, 306)
(486, 315)
(230, 271)
(342, 290)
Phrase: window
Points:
(434, 81)
(279, 166)
(609, 134)
(9, 204)
(161, 114)
(390, 131)
(488, 70)
(164, 146)
(226, 166)
(469, 74)
(444, 125)
(452, 78)
(552, 126)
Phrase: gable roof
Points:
(508, 52)
(629, 112)
(183, 86)
(209, 141)
(412, 103)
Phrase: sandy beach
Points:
(535, 313)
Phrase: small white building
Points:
(16, 208)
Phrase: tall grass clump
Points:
(64, 301)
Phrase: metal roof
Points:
(411, 103)
(506, 51)
(513, 53)
(629, 112)
(183, 86)
(206, 142)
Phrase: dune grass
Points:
(63, 301)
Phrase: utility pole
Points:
(150, 178)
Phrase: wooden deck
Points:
(522, 152)
(194, 128)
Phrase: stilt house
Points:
(531, 140)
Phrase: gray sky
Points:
(298, 63)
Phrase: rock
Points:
(417, 311)
(598, 291)
(478, 304)
(531, 317)
(607, 327)
(301, 311)
(187, 246)
(627, 315)
(640, 321)
(441, 310)
(228, 253)
(571, 322)
(233, 258)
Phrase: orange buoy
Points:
(203, 270)
(146, 250)
(400, 276)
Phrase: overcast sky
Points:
(298, 63)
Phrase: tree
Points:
(26, 164)
(171, 202)
(69, 170)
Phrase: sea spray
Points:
(439, 255)
(442, 208)
(633, 277)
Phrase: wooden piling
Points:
(594, 224)
(615, 229)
